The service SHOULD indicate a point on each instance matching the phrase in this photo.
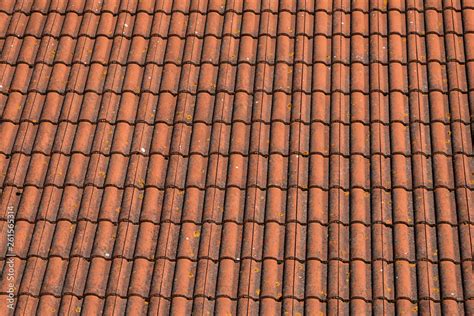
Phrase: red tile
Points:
(237, 157)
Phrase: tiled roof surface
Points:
(214, 156)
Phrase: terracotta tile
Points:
(237, 157)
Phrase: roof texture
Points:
(214, 156)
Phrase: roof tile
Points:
(237, 157)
